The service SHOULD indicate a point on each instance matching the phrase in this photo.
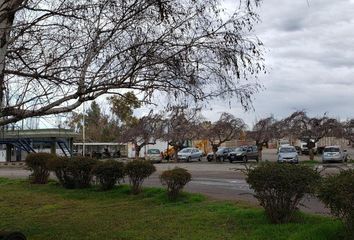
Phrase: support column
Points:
(8, 152)
(71, 146)
(53, 146)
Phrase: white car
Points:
(188, 154)
(288, 154)
(333, 154)
(153, 155)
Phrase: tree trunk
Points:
(260, 149)
(260, 155)
(176, 154)
(177, 149)
(137, 151)
(311, 154)
(6, 21)
(7, 15)
(215, 149)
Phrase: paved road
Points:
(217, 181)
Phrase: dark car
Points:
(221, 154)
(244, 153)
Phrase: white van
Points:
(305, 149)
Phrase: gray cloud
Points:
(310, 59)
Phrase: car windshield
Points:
(186, 150)
(153, 151)
(239, 149)
(221, 150)
(287, 150)
(331, 149)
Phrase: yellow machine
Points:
(169, 152)
(202, 145)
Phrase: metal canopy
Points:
(24, 139)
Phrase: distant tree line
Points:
(179, 124)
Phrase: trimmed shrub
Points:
(73, 172)
(280, 187)
(337, 193)
(109, 173)
(175, 180)
(137, 171)
(59, 166)
(80, 168)
(37, 163)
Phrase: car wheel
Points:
(189, 159)
(222, 159)
(200, 159)
(230, 160)
(244, 159)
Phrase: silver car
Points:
(188, 154)
(288, 154)
(153, 155)
(333, 154)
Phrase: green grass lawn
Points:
(50, 212)
(309, 162)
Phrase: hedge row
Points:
(78, 172)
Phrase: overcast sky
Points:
(309, 58)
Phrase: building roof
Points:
(38, 133)
(100, 144)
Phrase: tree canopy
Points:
(311, 129)
(99, 127)
(55, 55)
(145, 130)
(227, 128)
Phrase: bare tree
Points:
(264, 131)
(144, 131)
(228, 127)
(311, 130)
(54, 55)
(181, 125)
(348, 130)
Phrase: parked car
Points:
(221, 154)
(244, 153)
(288, 154)
(334, 154)
(188, 154)
(153, 155)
